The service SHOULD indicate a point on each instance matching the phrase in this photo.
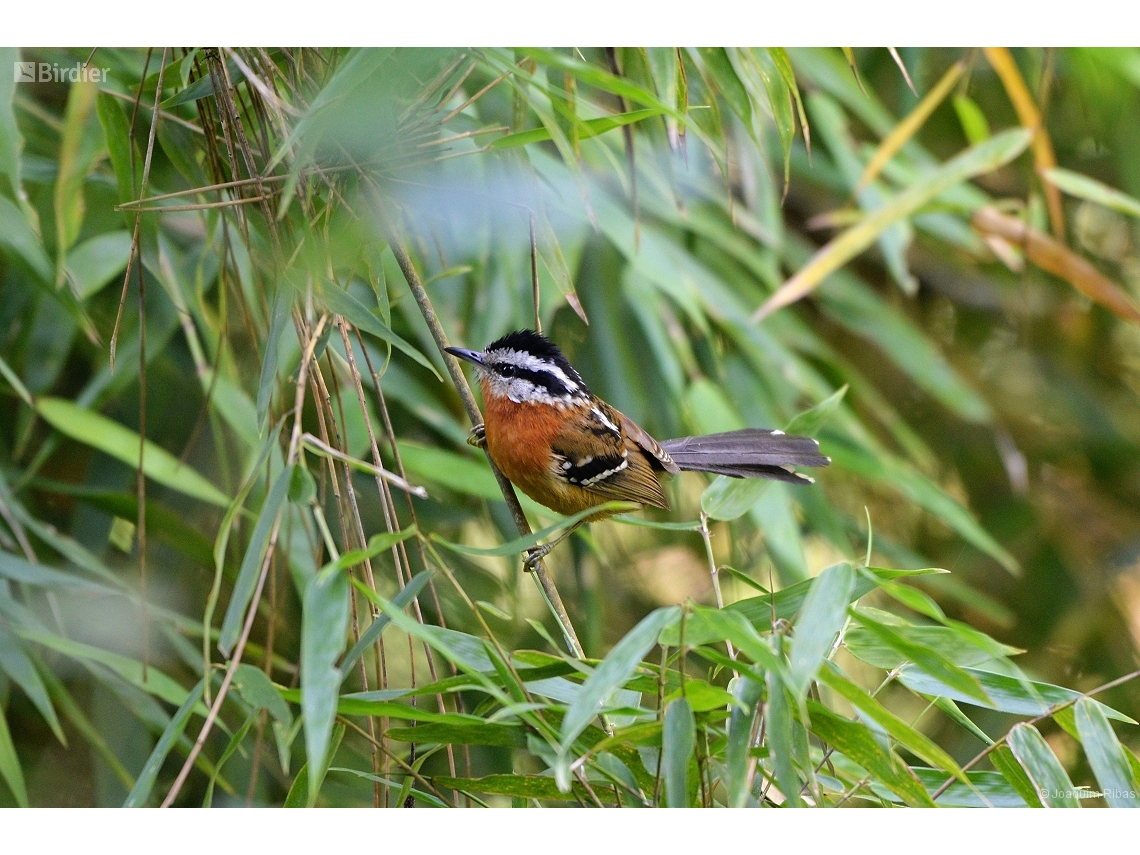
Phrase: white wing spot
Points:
(603, 475)
(777, 433)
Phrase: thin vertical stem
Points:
(541, 574)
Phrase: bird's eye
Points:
(507, 370)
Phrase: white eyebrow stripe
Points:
(533, 363)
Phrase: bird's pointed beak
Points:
(472, 356)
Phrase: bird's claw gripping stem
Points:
(478, 437)
(534, 555)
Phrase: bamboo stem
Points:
(541, 574)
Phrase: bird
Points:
(569, 450)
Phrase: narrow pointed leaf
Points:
(324, 622)
(140, 793)
(613, 671)
(251, 563)
(1042, 766)
(977, 160)
(1106, 756)
(119, 442)
(678, 741)
(819, 622)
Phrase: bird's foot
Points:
(478, 436)
(534, 555)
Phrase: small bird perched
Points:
(568, 449)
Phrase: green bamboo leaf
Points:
(140, 793)
(119, 442)
(16, 383)
(1006, 694)
(466, 651)
(810, 421)
(886, 469)
(257, 690)
(156, 683)
(956, 715)
(586, 129)
(709, 626)
(664, 68)
(976, 160)
(367, 638)
(18, 570)
(731, 498)
(518, 786)
(231, 747)
(117, 133)
(895, 239)
(857, 742)
(1106, 756)
(678, 742)
(11, 141)
(747, 693)
(18, 237)
(613, 671)
(79, 146)
(371, 704)
(162, 523)
(282, 303)
(779, 740)
(784, 67)
(915, 742)
(299, 790)
(1042, 766)
(819, 622)
(18, 666)
(718, 70)
(251, 563)
(984, 790)
(343, 303)
(853, 304)
(483, 733)
(221, 542)
(929, 660)
(1092, 190)
(1011, 770)
(459, 472)
(10, 765)
(203, 87)
(760, 611)
(974, 123)
(779, 101)
(872, 649)
(96, 261)
(324, 622)
(521, 544)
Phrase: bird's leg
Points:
(537, 553)
(478, 436)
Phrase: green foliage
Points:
(755, 237)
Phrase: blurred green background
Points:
(983, 327)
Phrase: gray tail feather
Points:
(749, 453)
